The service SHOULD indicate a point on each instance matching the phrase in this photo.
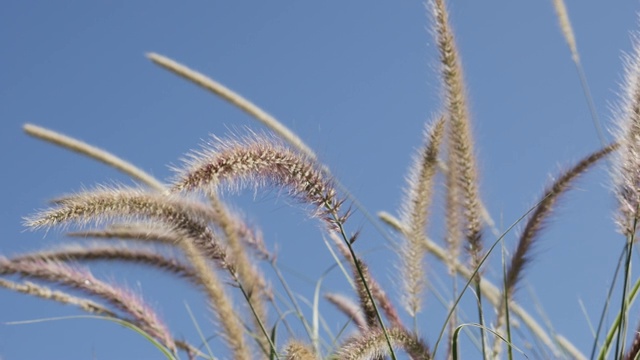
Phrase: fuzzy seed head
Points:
(258, 161)
(627, 171)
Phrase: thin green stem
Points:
(339, 223)
(364, 282)
(616, 324)
(605, 309)
(255, 314)
(590, 103)
(622, 329)
(292, 298)
(507, 318)
(483, 339)
(476, 270)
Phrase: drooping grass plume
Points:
(94, 153)
(81, 279)
(544, 210)
(185, 216)
(106, 204)
(87, 305)
(372, 345)
(522, 255)
(460, 140)
(262, 116)
(259, 161)
(414, 215)
(44, 292)
(149, 257)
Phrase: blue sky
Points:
(355, 80)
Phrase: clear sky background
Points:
(357, 81)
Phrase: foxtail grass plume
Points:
(187, 217)
(259, 161)
(567, 29)
(143, 256)
(543, 211)
(81, 279)
(105, 204)
(414, 216)
(535, 223)
(233, 98)
(44, 292)
(460, 142)
(627, 172)
(91, 151)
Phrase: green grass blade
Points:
(121, 322)
(205, 343)
(475, 271)
(456, 335)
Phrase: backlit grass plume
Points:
(627, 175)
(414, 215)
(462, 164)
(77, 278)
(627, 179)
(125, 254)
(106, 204)
(544, 209)
(260, 161)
